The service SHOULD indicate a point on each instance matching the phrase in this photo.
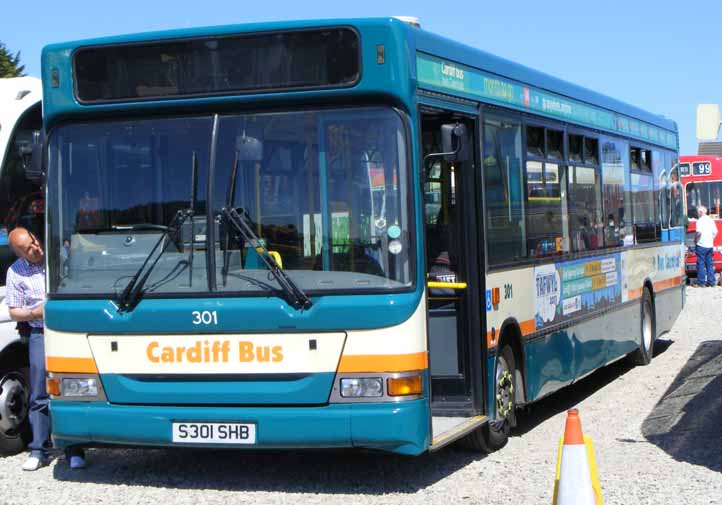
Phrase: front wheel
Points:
(643, 355)
(495, 434)
(14, 402)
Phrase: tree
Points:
(10, 65)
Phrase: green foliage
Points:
(10, 65)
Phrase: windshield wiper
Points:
(294, 294)
(133, 291)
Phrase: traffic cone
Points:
(576, 480)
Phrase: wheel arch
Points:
(649, 285)
(15, 352)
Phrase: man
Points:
(704, 247)
(25, 297)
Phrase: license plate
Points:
(214, 433)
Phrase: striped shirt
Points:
(25, 287)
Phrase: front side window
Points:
(324, 191)
(504, 190)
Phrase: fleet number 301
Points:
(205, 317)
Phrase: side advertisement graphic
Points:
(574, 288)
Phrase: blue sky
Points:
(663, 56)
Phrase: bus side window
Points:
(503, 190)
(616, 192)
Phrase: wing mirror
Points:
(32, 157)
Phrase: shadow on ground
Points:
(321, 472)
(571, 396)
(687, 422)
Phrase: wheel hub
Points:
(13, 404)
(504, 395)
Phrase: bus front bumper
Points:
(402, 427)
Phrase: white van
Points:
(21, 203)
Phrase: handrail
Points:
(446, 285)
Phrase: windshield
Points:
(704, 193)
(325, 191)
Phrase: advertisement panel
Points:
(574, 288)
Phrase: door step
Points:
(446, 430)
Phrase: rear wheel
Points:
(14, 407)
(495, 434)
(643, 355)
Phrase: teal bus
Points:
(339, 234)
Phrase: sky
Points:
(663, 56)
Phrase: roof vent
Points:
(411, 20)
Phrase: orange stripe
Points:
(634, 293)
(527, 328)
(383, 362)
(667, 283)
(71, 365)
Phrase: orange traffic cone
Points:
(576, 480)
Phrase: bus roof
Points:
(416, 40)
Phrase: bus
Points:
(701, 178)
(339, 234)
(21, 203)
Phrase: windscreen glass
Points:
(708, 194)
(324, 191)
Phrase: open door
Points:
(453, 280)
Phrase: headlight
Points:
(80, 387)
(366, 387)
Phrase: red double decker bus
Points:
(702, 180)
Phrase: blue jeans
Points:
(705, 268)
(39, 402)
(39, 412)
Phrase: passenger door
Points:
(452, 259)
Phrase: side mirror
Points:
(32, 157)
(455, 142)
(249, 148)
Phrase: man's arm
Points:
(25, 313)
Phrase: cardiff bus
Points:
(21, 203)
(346, 233)
(701, 177)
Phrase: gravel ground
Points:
(657, 432)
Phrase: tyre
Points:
(648, 331)
(495, 434)
(14, 406)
